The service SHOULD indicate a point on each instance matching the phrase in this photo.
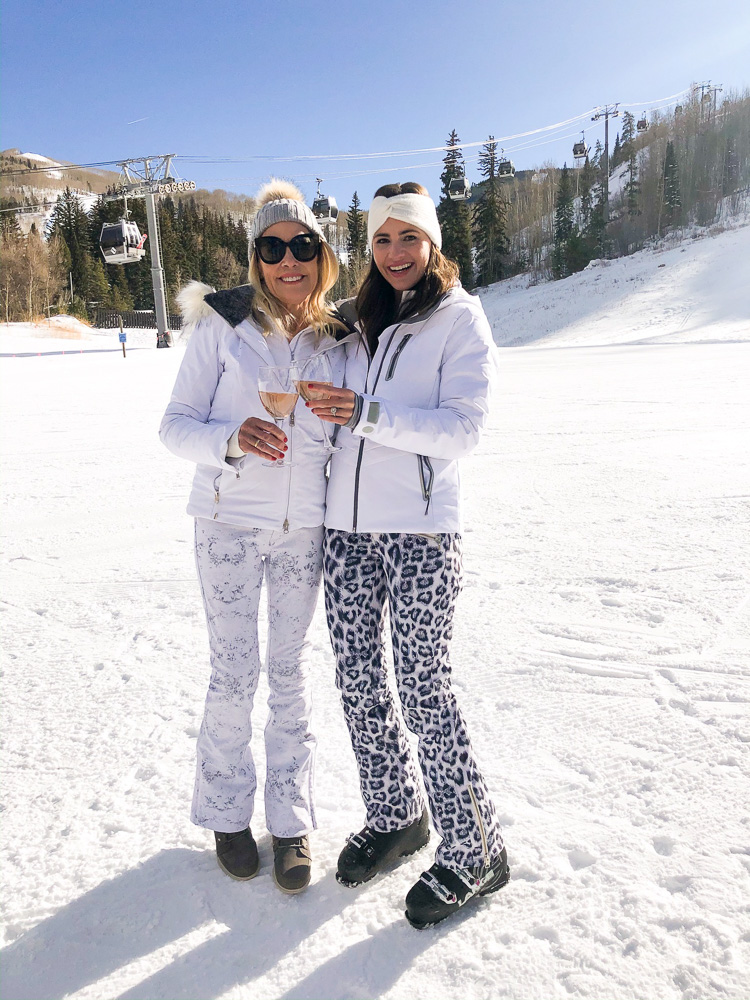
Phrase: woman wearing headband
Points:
(254, 520)
(416, 399)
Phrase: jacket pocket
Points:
(426, 479)
(396, 356)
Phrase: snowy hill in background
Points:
(694, 291)
(601, 657)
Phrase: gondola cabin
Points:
(505, 169)
(121, 242)
(325, 210)
(580, 150)
(641, 125)
(459, 188)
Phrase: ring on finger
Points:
(334, 410)
(257, 442)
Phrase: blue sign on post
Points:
(123, 337)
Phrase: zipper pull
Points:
(216, 497)
(285, 526)
(291, 419)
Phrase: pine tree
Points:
(587, 180)
(120, 298)
(616, 158)
(565, 228)
(356, 240)
(70, 223)
(489, 219)
(731, 168)
(98, 286)
(628, 131)
(632, 186)
(454, 216)
(671, 195)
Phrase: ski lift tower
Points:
(607, 112)
(147, 177)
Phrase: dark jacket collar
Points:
(235, 305)
(232, 304)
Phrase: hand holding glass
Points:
(277, 388)
(317, 369)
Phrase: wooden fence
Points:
(141, 319)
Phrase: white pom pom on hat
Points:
(281, 201)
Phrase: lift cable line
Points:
(57, 166)
(196, 158)
(209, 158)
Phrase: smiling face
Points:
(291, 281)
(401, 253)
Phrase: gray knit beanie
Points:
(281, 201)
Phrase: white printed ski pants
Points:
(419, 576)
(232, 563)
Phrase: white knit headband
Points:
(416, 209)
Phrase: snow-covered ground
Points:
(691, 292)
(601, 657)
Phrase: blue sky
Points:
(301, 78)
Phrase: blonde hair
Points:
(317, 313)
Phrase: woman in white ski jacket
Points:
(254, 520)
(415, 400)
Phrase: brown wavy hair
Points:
(377, 303)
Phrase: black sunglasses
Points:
(272, 250)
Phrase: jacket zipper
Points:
(426, 481)
(481, 828)
(396, 356)
(285, 525)
(217, 497)
(362, 442)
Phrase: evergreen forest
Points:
(665, 173)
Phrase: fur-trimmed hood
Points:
(200, 301)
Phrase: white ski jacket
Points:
(426, 397)
(216, 391)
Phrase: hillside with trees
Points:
(665, 172)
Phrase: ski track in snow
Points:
(601, 659)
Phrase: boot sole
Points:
(290, 892)
(386, 868)
(499, 882)
(237, 878)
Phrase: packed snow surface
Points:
(600, 657)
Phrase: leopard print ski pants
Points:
(419, 576)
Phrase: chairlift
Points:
(505, 168)
(459, 188)
(324, 208)
(580, 149)
(121, 242)
(642, 124)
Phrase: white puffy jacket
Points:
(426, 397)
(216, 391)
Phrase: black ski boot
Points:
(369, 852)
(237, 854)
(441, 891)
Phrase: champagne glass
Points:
(277, 388)
(317, 369)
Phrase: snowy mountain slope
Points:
(601, 656)
(696, 291)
